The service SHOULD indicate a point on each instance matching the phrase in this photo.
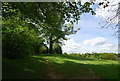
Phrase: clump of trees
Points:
(105, 56)
(38, 27)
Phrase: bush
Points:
(65, 53)
(74, 54)
(109, 56)
(43, 49)
(96, 55)
(57, 49)
(83, 55)
(18, 39)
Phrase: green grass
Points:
(65, 65)
(27, 68)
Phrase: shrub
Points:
(43, 49)
(83, 55)
(109, 56)
(57, 49)
(65, 53)
(96, 55)
(19, 39)
(74, 54)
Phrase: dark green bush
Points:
(83, 55)
(57, 48)
(74, 54)
(65, 53)
(108, 56)
(19, 38)
(43, 49)
(96, 55)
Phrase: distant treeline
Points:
(106, 56)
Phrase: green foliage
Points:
(25, 31)
(43, 49)
(95, 55)
(105, 56)
(65, 53)
(57, 48)
(108, 56)
(50, 22)
(18, 37)
(74, 54)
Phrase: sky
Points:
(91, 38)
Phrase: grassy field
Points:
(59, 67)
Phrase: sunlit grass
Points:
(106, 69)
(65, 65)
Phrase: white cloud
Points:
(107, 45)
(109, 48)
(95, 41)
(71, 46)
(83, 1)
(98, 44)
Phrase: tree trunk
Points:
(51, 46)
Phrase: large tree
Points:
(47, 18)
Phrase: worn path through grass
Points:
(52, 71)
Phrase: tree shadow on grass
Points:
(28, 68)
(107, 71)
(35, 68)
(72, 70)
(69, 69)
